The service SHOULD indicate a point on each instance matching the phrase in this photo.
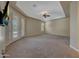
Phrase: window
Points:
(2, 33)
(22, 27)
(42, 27)
(15, 23)
(2, 38)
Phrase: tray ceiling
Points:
(36, 9)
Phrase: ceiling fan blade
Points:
(48, 15)
(45, 16)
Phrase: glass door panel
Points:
(15, 23)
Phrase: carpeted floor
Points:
(44, 46)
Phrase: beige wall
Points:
(78, 27)
(58, 27)
(33, 27)
(74, 20)
(74, 25)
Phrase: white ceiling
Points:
(35, 8)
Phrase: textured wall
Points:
(58, 27)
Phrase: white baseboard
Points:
(74, 48)
(58, 35)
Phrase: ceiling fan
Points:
(46, 15)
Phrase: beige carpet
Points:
(44, 46)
